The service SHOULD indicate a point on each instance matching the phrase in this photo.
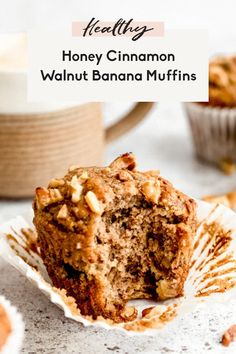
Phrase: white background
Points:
(215, 15)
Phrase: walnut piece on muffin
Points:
(222, 82)
(113, 234)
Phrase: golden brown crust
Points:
(222, 82)
(108, 235)
(5, 326)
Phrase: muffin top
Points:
(86, 192)
(222, 82)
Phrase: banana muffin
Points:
(212, 123)
(113, 234)
(222, 82)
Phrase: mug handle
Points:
(132, 118)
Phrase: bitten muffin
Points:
(113, 234)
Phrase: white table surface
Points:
(161, 142)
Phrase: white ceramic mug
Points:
(39, 141)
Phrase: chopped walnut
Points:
(46, 197)
(165, 290)
(84, 176)
(93, 203)
(63, 212)
(56, 183)
(130, 188)
(229, 336)
(129, 313)
(55, 195)
(218, 76)
(125, 161)
(124, 176)
(76, 189)
(73, 167)
(152, 191)
(78, 246)
(153, 173)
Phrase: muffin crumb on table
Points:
(229, 336)
(5, 327)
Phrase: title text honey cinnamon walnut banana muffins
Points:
(109, 235)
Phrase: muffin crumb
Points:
(5, 326)
(229, 336)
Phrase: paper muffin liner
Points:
(212, 275)
(15, 339)
(213, 131)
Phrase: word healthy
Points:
(121, 27)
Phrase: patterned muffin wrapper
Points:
(213, 131)
(15, 339)
(212, 276)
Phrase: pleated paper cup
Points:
(213, 131)
(15, 338)
(212, 276)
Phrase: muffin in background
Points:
(213, 124)
(11, 328)
(222, 82)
